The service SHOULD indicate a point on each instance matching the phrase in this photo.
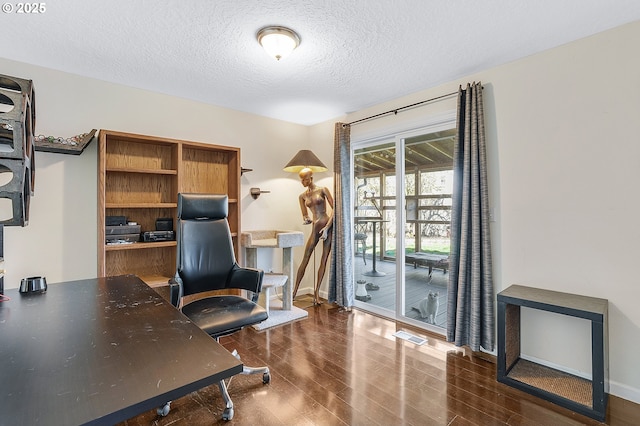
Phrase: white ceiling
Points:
(353, 54)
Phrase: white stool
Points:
(270, 281)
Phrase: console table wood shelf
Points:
(588, 397)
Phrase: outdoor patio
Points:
(417, 285)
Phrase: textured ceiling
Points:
(353, 54)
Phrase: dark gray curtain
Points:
(341, 289)
(470, 309)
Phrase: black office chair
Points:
(205, 262)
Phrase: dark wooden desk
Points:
(98, 352)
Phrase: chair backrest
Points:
(361, 227)
(205, 258)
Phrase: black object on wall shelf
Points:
(74, 145)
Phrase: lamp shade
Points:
(278, 41)
(305, 159)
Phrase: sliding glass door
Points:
(402, 213)
(375, 220)
(428, 190)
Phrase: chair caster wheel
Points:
(266, 378)
(227, 414)
(164, 410)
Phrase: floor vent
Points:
(410, 337)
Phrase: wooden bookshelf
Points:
(139, 177)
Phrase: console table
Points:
(588, 397)
(429, 260)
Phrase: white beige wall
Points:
(61, 238)
(565, 163)
(563, 132)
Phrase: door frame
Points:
(398, 134)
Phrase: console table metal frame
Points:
(589, 308)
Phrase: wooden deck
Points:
(417, 287)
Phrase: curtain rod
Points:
(395, 111)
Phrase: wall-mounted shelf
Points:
(57, 145)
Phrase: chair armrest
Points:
(246, 279)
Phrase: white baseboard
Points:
(309, 290)
(624, 391)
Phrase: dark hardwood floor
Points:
(346, 368)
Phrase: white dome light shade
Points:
(278, 41)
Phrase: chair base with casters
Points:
(228, 412)
(206, 262)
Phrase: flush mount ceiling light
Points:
(278, 41)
